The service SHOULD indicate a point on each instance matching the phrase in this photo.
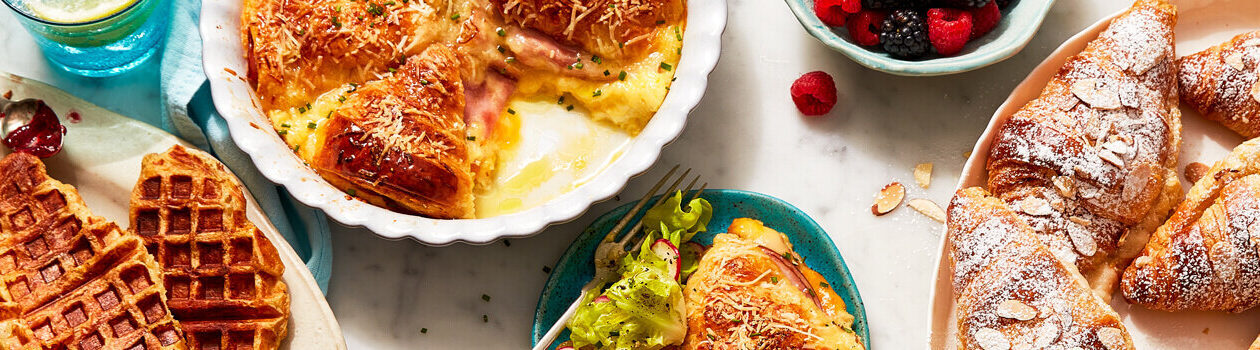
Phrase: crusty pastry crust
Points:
(610, 28)
(1091, 163)
(399, 142)
(1012, 292)
(1222, 83)
(223, 277)
(740, 297)
(1204, 257)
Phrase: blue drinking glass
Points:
(106, 46)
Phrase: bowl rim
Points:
(1011, 42)
(237, 103)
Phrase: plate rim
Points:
(805, 222)
(219, 28)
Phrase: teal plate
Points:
(1012, 33)
(574, 268)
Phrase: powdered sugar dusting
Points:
(1222, 83)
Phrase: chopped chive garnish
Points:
(666, 66)
(560, 100)
(485, 297)
(424, 330)
(455, 17)
(607, 73)
(284, 125)
(393, 70)
(283, 132)
(341, 98)
(500, 31)
(311, 125)
(471, 138)
(485, 318)
(621, 76)
(597, 93)
(569, 108)
(511, 111)
(510, 59)
(546, 269)
(424, 81)
(774, 279)
(375, 10)
(352, 192)
(596, 60)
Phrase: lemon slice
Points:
(76, 11)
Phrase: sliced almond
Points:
(1066, 186)
(1047, 334)
(1112, 338)
(1110, 157)
(1250, 42)
(1015, 309)
(1195, 171)
(1089, 91)
(1255, 92)
(1235, 60)
(1147, 59)
(923, 174)
(1035, 206)
(1117, 147)
(992, 339)
(1142, 261)
(1083, 241)
(888, 198)
(928, 208)
(1080, 221)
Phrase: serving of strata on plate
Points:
(414, 106)
(190, 271)
(1083, 199)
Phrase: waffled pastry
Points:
(1223, 83)
(1091, 163)
(72, 280)
(222, 276)
(1012, 292)
(1207, 256)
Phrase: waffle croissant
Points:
(1206, 256)
(1222, 83)
(223, 277)
(1091, 163)
(72, 280)
(1012, 292)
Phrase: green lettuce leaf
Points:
(670, 216)
(642, 311)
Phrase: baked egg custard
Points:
(422, 106)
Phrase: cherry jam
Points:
(40, 137)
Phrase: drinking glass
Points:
(109, 45)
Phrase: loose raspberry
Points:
(814, 93)
(830, 12)
(949, 30)
(864, 27)
(984, 19)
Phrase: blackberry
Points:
(964, 4)
(904, 34)
(1004, 4)
(894, 4)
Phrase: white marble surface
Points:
(746, 135)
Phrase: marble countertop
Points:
(746, 134)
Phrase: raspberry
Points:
(830, 12)
(949, 30)
(814, 93)
(864, 27)
(984, 19)
(851, 6)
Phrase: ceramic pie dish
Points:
(1201, 24)
(226, 66)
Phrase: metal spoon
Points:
(14, 114)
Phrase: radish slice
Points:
(668, 252)
(566, 347)
(792, 274)
(600, 299)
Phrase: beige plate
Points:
(1202, 24)
(101, 158)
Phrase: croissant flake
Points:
(992, 339)
(1015, 309)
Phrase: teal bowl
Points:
(1017, 27)
(574, 268)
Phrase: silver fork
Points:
(611, 249)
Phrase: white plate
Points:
(1201, 24)
(225, 66)
(101, 158)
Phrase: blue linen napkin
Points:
(189, 113)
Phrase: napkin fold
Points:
(190, 114)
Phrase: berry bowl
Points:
(1012, 32)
